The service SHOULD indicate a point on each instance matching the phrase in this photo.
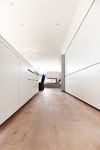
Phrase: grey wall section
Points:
(82, 58)
(63, 72)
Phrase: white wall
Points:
(17, 84)
(81, 12)
(83, 54)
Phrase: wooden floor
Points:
(52, 121)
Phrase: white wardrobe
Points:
(82, 56)
(18, 81)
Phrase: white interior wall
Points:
(83, 55)
(80, 14)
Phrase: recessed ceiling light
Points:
(11, 3)
(57, 24)
(21, 24)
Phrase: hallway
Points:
(52, 120)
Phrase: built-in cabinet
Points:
(18, 81)
(28, 82)
(82, 58)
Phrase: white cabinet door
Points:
(23, 82)
(17, 83)
(28, 83)
(9, 80)
(32, 82)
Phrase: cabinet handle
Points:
(32, 80)
(33, 72)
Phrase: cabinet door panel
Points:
(23, 82)
(9, 78)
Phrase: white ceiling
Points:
(37, 29)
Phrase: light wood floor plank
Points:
(52, 121)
